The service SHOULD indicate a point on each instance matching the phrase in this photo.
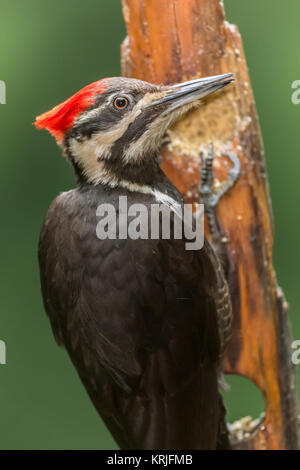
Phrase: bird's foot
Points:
(210, 195)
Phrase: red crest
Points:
(61, 118)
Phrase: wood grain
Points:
(175, 40)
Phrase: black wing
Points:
(141, 321)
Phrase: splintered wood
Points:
(175, 40)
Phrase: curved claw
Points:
(211, 196)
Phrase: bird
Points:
(144, 321)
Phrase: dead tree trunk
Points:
(174, 40)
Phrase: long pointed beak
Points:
(187, 92)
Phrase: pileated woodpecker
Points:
(145, 322)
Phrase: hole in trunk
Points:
(245, 406)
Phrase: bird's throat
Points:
(114, 172)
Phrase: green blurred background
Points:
(49, 50)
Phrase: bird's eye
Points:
(121, 102)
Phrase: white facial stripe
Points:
(85, 154)
(107, 178)
(91, 114)
(96, 112)
(99, 174)
(89, 152)
(151, 138)
(96, 173)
